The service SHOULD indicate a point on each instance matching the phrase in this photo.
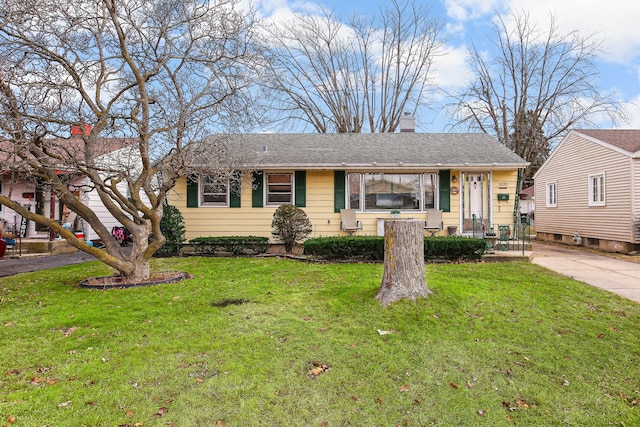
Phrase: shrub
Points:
(173, 228)
(236, 245)
(290, 224)
(371, 248)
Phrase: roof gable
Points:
(625, 139)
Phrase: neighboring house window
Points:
(214, 191)
(597, 190)
(552, 195)
(380, 191)
(279, 188)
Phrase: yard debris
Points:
(381, 332)
(317, 369)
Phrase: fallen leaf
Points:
(481, 412)
(130, 413)
(138, 424)
(64, 404)
(307, 319)
(90, 402)
(52, 381)
(600, 336)
(11, 418)
(317, 368)
(378, 401)
(404, 388)
(176, 298)
(522, 404)
(324, 424)
(453, 385)
(199, 380)
(161, 411)
(220, 423)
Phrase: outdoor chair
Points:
(349, 223)
(433, 224)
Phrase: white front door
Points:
(475, 202)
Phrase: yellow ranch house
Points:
(467, 181)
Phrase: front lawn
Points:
(496, 344)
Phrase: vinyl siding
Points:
(248, 220)
(503, 210)
(576, 159)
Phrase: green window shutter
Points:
(301, 189)
(257, 193)
(192, 192)
(445, 194)
(339, 190)
(234, 190)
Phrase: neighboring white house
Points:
(588, 190)
(24, 191)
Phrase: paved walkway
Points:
(620, 277)
(11, 266)
(617, 276)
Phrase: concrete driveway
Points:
(620, 277)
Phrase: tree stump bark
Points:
(403, 262)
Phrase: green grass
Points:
(496, 344)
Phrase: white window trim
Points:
(203, 204)
(551, 203)
(603, 197)
(266, 189)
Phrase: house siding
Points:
(570, 166)
(503, 210)
(320, 195)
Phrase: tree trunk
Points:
(403, 262)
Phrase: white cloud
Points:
(451, 70)
(464, 10)
(613, 22)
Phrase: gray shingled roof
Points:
(372, 151)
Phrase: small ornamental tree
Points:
(290, 224)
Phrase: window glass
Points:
(213, 191)
(354, 191)
(392, 191)
(279, 188)
(552, 194)
(596, 190)
(429, 191)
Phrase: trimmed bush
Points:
(290, 224)
(371, 248)
(235, 245)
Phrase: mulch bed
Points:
(116, 281)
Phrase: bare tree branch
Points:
(150, 77)
(358, 77)
(538, 84)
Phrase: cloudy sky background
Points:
(613, 22)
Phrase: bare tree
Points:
(149, 76)
(543, 78)
(358, 77)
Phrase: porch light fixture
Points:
(454, 178)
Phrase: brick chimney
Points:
(76, 130)
(407, 123)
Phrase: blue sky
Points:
(614, 22)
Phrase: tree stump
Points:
(403, 262)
